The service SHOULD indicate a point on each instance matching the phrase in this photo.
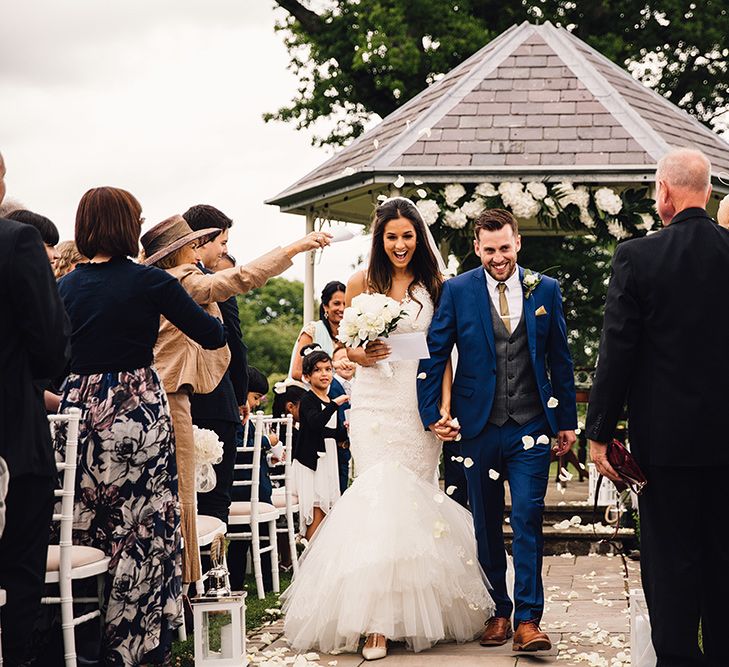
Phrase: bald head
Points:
(685, 168)
(683, 180)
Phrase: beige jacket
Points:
(181, 362)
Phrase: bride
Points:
(395, 558)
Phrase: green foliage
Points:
(355, 58)
(270, 319)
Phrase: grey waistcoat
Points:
(517, 396)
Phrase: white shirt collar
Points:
(512, 282)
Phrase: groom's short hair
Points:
(494, 219)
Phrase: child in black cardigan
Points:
(315, 468)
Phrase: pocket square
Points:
(540, 311)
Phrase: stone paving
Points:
(586, 616)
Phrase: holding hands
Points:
(446, 428)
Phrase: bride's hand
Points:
(375, 351)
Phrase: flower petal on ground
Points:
(493, 474)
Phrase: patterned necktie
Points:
(504, 306)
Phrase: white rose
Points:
(609, 202)
(429, 210)
(453, 192)
(474, 208)
(455, 219)
(648, 221)
(537, 190)
(525, 206)
(531, 279)
(617, 230)
(551, 207)
(486, 190)
(510, 191)
(586, 219)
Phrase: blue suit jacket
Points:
(463, 318)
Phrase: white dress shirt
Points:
(514, 296)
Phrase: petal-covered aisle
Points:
(587, 617)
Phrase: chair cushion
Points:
(279, 499)
(209, 524)
(79, 556)
(243, 508)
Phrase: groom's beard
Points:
(506, 273)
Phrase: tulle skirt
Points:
(317, 488)
(395, 556)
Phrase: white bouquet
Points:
(371, 316)
(208, 451)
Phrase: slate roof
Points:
(536, 98)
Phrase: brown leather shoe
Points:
(529, 637)
(497, 632)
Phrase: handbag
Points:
(627, 468)
(631, 477)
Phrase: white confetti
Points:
(417, 182)
(493, 474)
(348, 171)
(422, 193)
(422, 376)
(528, 442)
(458, 437)
(455, 423)
(424, 131)
(468, 462)
(552, 402)
(451, 489)
(376, 143)
(439, 529)
(469, 562)
(543, 440)
(460, 459)
(399, 181)
(438, 497)
(382, 197)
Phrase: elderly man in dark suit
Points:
(33, 346)
(665, 348)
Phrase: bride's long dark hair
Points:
(423, 265)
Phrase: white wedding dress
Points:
(395, 555)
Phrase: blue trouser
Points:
(453, 473)
(500, 448)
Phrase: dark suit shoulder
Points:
(463, 279)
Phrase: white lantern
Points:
(220, 630)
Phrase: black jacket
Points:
(314, 415)
(665, 345)
(34, 333)
(222, 403)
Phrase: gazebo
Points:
(534, 104)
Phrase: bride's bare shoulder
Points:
(356, 285)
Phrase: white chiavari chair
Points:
(284, 497)
(66, 561)
(254, 513)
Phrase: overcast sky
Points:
(161, 98)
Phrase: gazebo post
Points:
(309, 272)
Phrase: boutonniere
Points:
(530, 282)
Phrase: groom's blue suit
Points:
(464, 318)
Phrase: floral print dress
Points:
(126, 505)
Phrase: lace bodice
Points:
(384, 420)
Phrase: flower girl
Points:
(315, 470)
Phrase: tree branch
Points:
(310, 21)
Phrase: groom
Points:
(509, 327)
